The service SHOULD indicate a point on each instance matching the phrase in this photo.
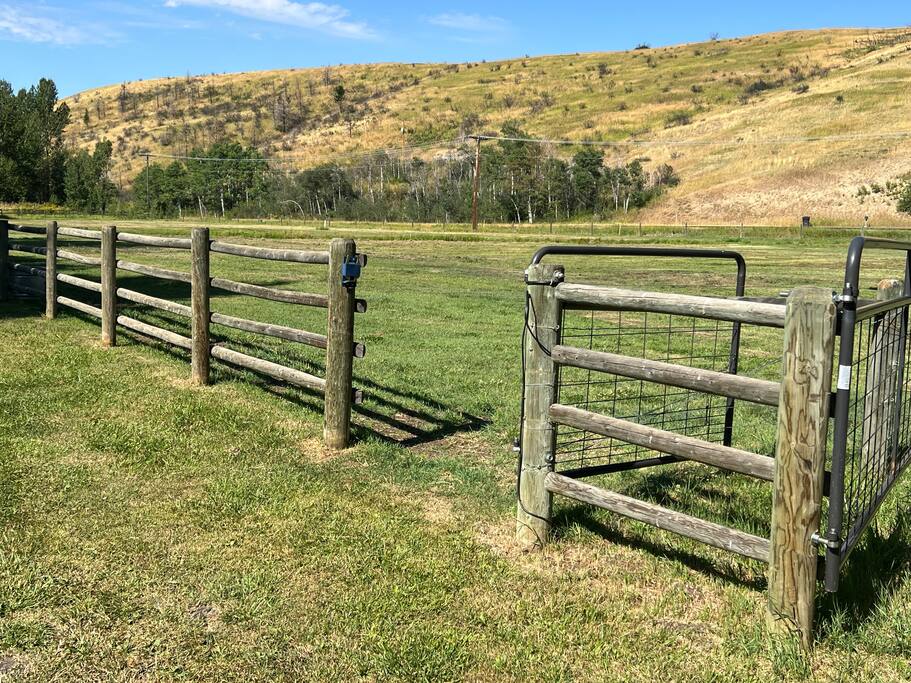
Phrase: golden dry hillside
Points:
(761, 129)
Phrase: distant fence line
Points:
(344, 269)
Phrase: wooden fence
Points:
(344, 265)
(880, 402)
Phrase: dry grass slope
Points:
(744, 92)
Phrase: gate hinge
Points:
(830, 543)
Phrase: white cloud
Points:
(318, 16)
(32, 28)
(470, 22)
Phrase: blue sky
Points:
(87, 43)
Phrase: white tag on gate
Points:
(844, 376)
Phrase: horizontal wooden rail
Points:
(290, 333)
(612, 298)
(79, 232)
(700, 530)
(292, 255)
(29, 270)
(78, 258)
(79, 282)
(274, 370)
(28, 229)
(79, 306)
(284, 295)
(154, 302)
(733, 459)
(154, 271)
(27, 248)
(154, 240)
(708, 381)
(154, 331)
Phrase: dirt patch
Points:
(207, 615)
(12, 665)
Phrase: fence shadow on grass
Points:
(394, 414)
(876, 569)
(585, 517)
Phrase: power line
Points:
(897, 135)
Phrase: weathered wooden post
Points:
(109, 285)
(803, 412)
(538, 434)
(200, 283)
(4, 259)
(50, 272)
(339, 358)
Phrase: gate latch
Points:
(351, 270)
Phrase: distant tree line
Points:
(520, 182)
(34, 164)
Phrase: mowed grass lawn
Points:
(153, 530)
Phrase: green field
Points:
(153, 530)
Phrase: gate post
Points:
(50, 272)
(4, 259)
(803, 413)
(200, 284)
(538, 439)
(340, 341)
(109, 285)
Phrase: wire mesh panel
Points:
(878, 443)
(693, 342)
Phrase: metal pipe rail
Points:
(613, 298)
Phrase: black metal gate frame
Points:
(662, 252)
(837, 547)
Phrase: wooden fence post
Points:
(4, 259)
(200, 283)
(803, 413)
(538, 435)
(109, 285)
(339, 358)
(50, 272)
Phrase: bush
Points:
(904, 199)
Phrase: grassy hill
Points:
(726, 114)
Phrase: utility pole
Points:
(148, 192)
(477, 182)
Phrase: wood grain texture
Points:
(199, 305)
(803, 411)
(535, 502)
(109, 285)
(270, 369)
(79, 282)
(50, 268)
(340, 340)
(613, 298)
(154, 271)
(155, 302)
(701, 530)
(78, 258)
(708, 381)
(718, 455)
(155, 241)
(290, 255)
(79, 306)
(284, 295)
(79, 232)
(155, 332)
